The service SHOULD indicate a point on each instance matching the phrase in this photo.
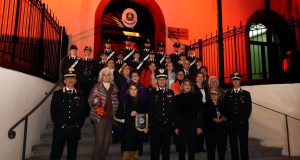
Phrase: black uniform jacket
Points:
(67, 62)
(238, 106)
(67, 110)
(88, 70)
(161, 106)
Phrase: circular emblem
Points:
(142, 120)
(161, 70)
(129, 18)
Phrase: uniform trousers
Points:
(238, 132)
(60, 137)
(102, 138)
(160, 141)
(187, 139)
(86, 87)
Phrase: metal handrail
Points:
(12, 133)
(286, 123)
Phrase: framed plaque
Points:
(141, 121)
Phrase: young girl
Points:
(128, 110)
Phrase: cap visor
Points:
(70, 75)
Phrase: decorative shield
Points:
(141, 121)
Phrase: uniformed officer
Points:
(146, 49)
(191, 54)
(127, 49)
(71, 60)
(178, 64)
(107, 50)
(160, 56)
(238, 106)
(149, 60)
(102, 61)
(175, 54)
(87, 75)
(68, 114)
(152, 57)
(166, 61)
(136, 59)
(119, 60)
(161, 107)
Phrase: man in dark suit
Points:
(67, 114)
(238, 106)
(161, 107)
(187, 71)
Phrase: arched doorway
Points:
(108, 24)
(269, 39)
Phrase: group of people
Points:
(170, 95)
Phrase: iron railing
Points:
(237, 53)
(286, 124)
(31, 38)
(12, 133)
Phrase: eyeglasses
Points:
(134, 75)
(214, 93)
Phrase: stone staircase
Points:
(85, 148)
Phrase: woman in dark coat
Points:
(201, 91)
(128, 110)
(216, 126)
(188, 119)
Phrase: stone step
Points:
(86, 129)
(173, 156)
(87, 148)
(87, 136)
(276, 158)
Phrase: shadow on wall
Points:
(270, 126)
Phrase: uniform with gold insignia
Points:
(67, 114)
(87, 76)
(161, 109)
(69, 61)
(238, 106)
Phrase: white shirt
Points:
(69, 89)
(237, 90)
(106, 85)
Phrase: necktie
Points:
(186, 73)
(70, 91)
(235, 91)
